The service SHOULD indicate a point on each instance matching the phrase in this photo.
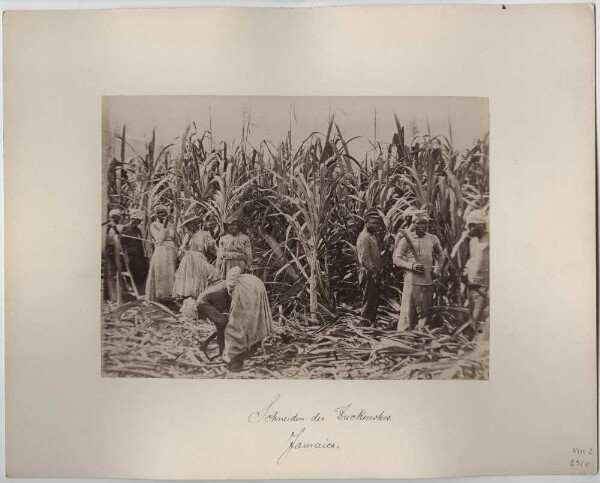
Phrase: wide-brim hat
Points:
(189, 219)
(137, 215)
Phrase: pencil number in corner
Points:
(581, 459)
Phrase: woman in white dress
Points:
(161, 274)
(195, 272)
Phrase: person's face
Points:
(234, 228)
(135, 221)
(194, 225)
(161, 215)
(421, 227)
(476, 230)
(115, 218)
(373, 226)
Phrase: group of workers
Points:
(236, 301)
(422, 258)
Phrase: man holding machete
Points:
(416, 253)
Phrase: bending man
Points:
(249, 320)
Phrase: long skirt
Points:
(250, 318)
(191, 278)
(161, 275)
(413, 297)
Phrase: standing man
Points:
(477, 271)
(416, 253)
(113, 280)
(369, 264)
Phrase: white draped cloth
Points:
(250, 318)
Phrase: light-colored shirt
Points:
(368, 252)
(236, 247)
(162, 235)
(427, 249)
(477, 267)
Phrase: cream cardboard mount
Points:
(537, 412)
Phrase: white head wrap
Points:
(476, 217)
(114, 212)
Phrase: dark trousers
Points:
(371, 289)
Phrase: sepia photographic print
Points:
(295, 237)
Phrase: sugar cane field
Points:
(302, 206)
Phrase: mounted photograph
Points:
(295, 237)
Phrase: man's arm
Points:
(361, 252)
(467, 266)
(207, 311)
(439, 255)
(399, 258)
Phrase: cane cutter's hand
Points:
(418, 267)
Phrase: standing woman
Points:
(134, 248)
(194, 272)
(234, 249)
(161, 275)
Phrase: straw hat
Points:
(189, 218)
(137, 215)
